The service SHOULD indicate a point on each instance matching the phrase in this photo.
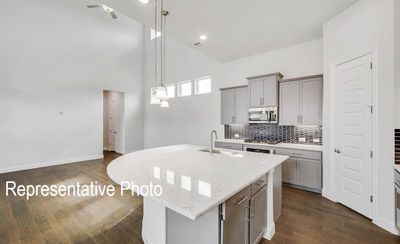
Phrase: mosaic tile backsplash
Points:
(396, 145)
(264, 132)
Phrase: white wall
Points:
(397, 62)
(59, 56)
(365, 25)
(191, 119)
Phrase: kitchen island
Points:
(196, 187)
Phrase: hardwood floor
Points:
(306, 217)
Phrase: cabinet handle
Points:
(241, 200)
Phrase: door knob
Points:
(337, 151)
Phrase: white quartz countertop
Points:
(279, 145)
(192, 181)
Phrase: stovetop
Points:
(271, 142)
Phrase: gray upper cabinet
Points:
(301, 101)
(311, 104)
(263, 90)
(227, 106)
(289, 110)
(234, 105)
(241, 105)
(256, 92)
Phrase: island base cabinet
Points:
(258, 218)
(235, 228)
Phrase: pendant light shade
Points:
(161, 93)
(164, 104)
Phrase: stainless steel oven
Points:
(266, 115)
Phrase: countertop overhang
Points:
(192, 181)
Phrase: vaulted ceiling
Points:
(239, 28)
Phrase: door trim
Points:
(332, 194)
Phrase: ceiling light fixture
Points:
(203, 37)
(144, 1)
(160, 92)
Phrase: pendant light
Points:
(159, 95)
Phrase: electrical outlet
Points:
(302, 139)
(237, 135)
(316, 140)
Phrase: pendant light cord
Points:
(155, 43)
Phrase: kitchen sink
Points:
(208, 151)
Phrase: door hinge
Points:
(371, 154)
(371, 198)
(372, 109)
(371, 65)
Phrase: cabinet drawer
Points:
(227, 145)
(237, 201)
(258, 184)
(300, 153)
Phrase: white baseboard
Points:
(106, 148)
(329, 195)
(269, 232)
(386, 225)
(47, 164)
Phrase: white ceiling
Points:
(239, 28)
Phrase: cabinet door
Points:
(256, 92)
(289, 108)
(289, 174)
(241, 105)
(311, 101)
(227, 106)
(270, 91)
(258, 215)
(235, 228)
(309, 173)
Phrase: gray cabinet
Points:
(289, 174)
(263, 90)
(258, 216)
(301, 101)
(289, 109)
(309, 173)
(302, 169)
(234, 105)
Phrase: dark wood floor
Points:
(306, 217)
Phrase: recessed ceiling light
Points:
(144, 1)
(203, 37)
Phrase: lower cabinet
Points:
(258, 218)
(302, 172)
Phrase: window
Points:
(203, 85)
(153, 34)
(185, 88)
(170, 90)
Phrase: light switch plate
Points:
(302, 139)
(316, 140)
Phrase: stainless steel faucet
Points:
(212, 141)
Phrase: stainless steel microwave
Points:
(266, 115)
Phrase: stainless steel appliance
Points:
(266, 115)
(259, 149)
(397, 198)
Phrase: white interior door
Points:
(353, 148)
(113, 114)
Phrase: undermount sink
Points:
(208, 151)
(228, 153)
